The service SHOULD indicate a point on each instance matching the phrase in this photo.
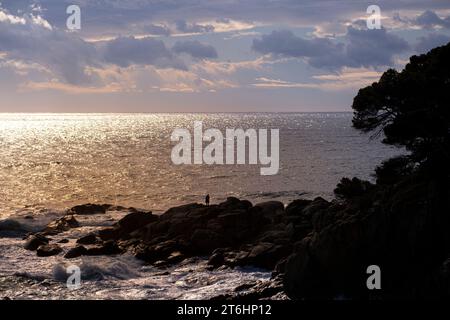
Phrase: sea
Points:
(50, 162)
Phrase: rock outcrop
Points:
(315, 248)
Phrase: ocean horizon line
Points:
(180, 112)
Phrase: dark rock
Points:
(134, 221)
(230, 202)
(257, 290)
(76, 252)
(63, 241)
(245, 286)
(173, 258)
(300, 276)
(444, 279)
(277, 236)
(88, 239)
(10, 225)
(263, 290)
(181, 211)
(280, 268)
(265, 255)
(60, 225)
(181, 226)
(12, 228)
(107, 248)
(205, 241)
(217, 259)
(316, 205)
(87, 209)
(234, 203)
(108, 234)
(296, 207)
(157, 252)
(230, 220)
(271, 207)
(35, 241)
(271, 211)
(392, 227)
(48, 250)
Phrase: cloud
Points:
(362, 48)
(157, 30)
(285, 43)
(185, 27)
(195, 49)
(430, 41)
(30, 39)
(126, 51)
(426, 20)
(429, 19)
(113, 17)
(264, 82)
(348, 78)
(135, 42)
(228, 68)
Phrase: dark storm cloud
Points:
(426, 20)
(115, 16)
(62, 53)
(430, 19)
(67, 56)
(431, 41)
(361, 48)
(126, 51)
(195, 49)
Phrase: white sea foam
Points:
(26, 276)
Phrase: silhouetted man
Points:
(207, 200)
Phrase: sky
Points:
(206, 55)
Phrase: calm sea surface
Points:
(58, 160)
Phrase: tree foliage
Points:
(411, 108)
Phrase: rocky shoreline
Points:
(314, 248)
(230, 234)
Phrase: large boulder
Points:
(107, 248)
(391, 227)
(233, 203)
(48, 250)
(295, 208)
(271, 207)
(444, 279)
(108, 234)
(265, 255)
(134, 221)
(302, 277)
(35, 241)
(75, 252)
(88, 239)
(181, 211)
(157, 252)
(12, 228)
(60, 225)
(87, 209)
(204, 241)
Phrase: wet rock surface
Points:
(315, 248)
(48, 250)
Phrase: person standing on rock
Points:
(207, 200)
